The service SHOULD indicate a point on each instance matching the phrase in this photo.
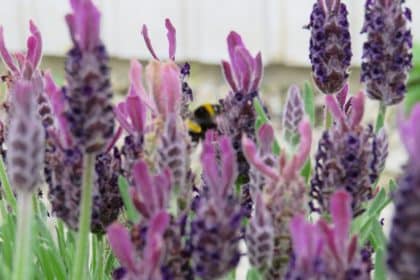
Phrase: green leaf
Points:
(132, 213)
(262, 119)
(308, 101)
(254, 274)
(306, 171)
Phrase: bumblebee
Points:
(203, 118)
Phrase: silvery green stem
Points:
(22, 263)
(82, 246)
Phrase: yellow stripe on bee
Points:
(209, 108)
(193, 126)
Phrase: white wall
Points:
(272, 26)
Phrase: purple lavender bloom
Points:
(64, 167)
(330, 45)
(25, 139)
(243, 74)
(147, 265)
(216, 227)
(131, 114)
(293, 114)
(25, 66)
(89, 112)
(284, 195)
(404, 246)
(387, 53)
(151, 195)
(322, 251)
(165, 85)
(349, 155)
(259, 236)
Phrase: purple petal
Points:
(120, 241)
(229, 170)
(342, 95)
(37, 54)
(227, 71)
(209, 163)
(144, 184)
(7, 58)
(341, 213)
(145, 34)
(266, 137)
(334, 108)
(250, 152)
(357, 109)
(304, 149)
(246, 64)
(258, 69)
(121, 115)
(171, 38)
(137, 112)
(171, 87)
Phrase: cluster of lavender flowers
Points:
(190, 224)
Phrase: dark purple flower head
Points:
(387, 56)
(404, 246)
(330, 45)
(323, 251)
(244, 72)
(88, 94)
(144, 267)
(349, 155)
(25, 139)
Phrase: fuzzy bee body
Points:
(203, 118)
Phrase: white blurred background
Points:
(272, 26)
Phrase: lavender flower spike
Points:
(404, 246)
(283, 195)
(322, 251)
(349, 155)
(293, 114)
(387, 53)
(25, 139)
(243, 73)
(89, 93)
(215, 230)
(330, 45)
(148, 265)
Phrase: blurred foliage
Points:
(413, 94)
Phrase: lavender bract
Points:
(387, 52)
(349, 155)
(322, 251)
(330, 45)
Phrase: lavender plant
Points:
(250, 197)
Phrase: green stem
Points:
(8, 193)
(328, 119)
(380, 119)
(82, 245)
(101, 258)
(22, 258)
